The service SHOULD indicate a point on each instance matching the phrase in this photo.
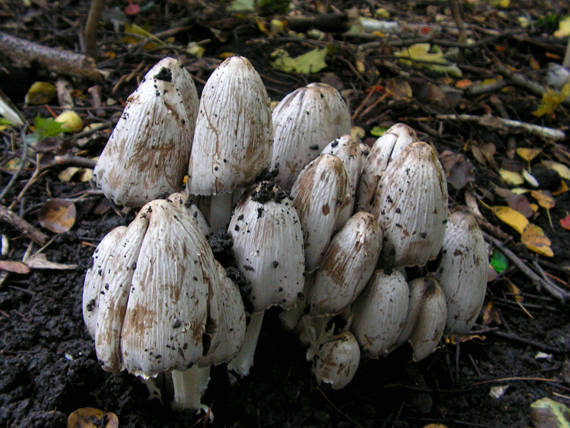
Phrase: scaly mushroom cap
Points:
(233, 138)
(463, 271)
(347, 265)
(304, 122)
(337, 361)
(268, 247)
(148, 151)
(380, 313)
(320, 194)
(411, 206)
(386, 148)
(154, 309)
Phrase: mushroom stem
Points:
(189, 385)
(220, 210)
(243, 361)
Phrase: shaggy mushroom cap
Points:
(148, 152)
(233, 138)
(463, 271)
(337, 361)
(161, 295)
(304, 122)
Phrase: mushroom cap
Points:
(463, 271)
(347, 265)
(233, 138)
(304, 122)
(155, 309)
(268, 247)
(148, 151)
(337, 361)
(411, 205)
(320, 193)
(384, 150)
(380, 313)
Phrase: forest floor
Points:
(519, 350)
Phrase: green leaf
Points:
(47, 127)
(310, 62)
(499, 261)
(378, 131)
(547, 413)
(5, 122)
(241, 6)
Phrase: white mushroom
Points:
(463, 271)
(411, 205)
(148, 152)
(337, 361)
(233, 138)
(304, 122)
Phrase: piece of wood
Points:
(22, 225)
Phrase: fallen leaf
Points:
(462, 84)
(499, 261)
(562, 189)
(14, 267)
(471, 202)
(511, 177)
(563, 27)
(514, 291)
(529, 178)
(458, 170)
(565, 222)
(399, 89)
(135, 34)
(528, 154)
(498, 391)
(544, 198)
(535, 240)
(310, 62)
(491, 314)
(40, 261)
(427, 56)
(521, 204)
(551, 99)
(562, 170)
(548, 413)
(90, 417)
(512, 217)
(57, 215)
(40, 93)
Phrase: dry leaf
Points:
(457, 169)
(491, 314)
(399, 89)
(511, 217)
(521, 204)
(40, 261)
(14, 267)
(462, 84)
(544, 198)
(478, 154)
(562, 170)
(528, 154)
(511, 177)
(565, 222)
(90, 417)
(529, 178)
(562, 189)
(514, 291)
(57, 215)
(471, 202)
(535, 240)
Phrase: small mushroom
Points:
(386, 148)
(268, 249)
(380, 313)
(233, 139)
(148, 151)
(337, 361)
(304, 122)
(411, 205)
(463, 271)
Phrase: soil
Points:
(48, 367)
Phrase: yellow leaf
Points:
(511, 217)
(533, 207)
(551, 100)
(225, 55)
(544, 199)
(563, 28)
(70, 121)
(562, 189)
(90, 417)
(562, 170)
(67, 174)
(427, 56)
(40, 93)
(535, 240)
(528, 154)
(511, 177)
(519, 190)
(135, 34)
(514, 291)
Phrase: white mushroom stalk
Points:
(380, 313)
(320, 194)
(386, 148)
(411, 205)
(463, 271)
(304, 122)
(268, 249)
(148, 152)
(233, 138)
(164, 302)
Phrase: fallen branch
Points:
(500, 123)
(57, 60)
(552, 288)
(22, 225)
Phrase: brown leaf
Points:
(14, 267)
(521, 204)
(457, 168)
(90, 417)
(58, 215)
(535, 240)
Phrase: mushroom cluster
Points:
(329, 235)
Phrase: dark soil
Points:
(48, 366)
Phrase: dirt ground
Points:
(48, 366)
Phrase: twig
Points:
(500, 123)
(553, 289)
(22, 225)
(517, 378)
(57, 60)
(490, 87)
(526, 341)
(31, 181)
(23, 160)
(91, 27)
(79, 161)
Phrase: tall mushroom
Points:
(149, 149)
(233, 139)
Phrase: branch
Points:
(22, 225)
